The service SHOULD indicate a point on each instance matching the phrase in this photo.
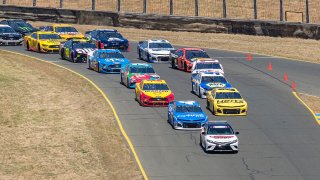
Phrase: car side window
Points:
(144, 45)
(180, 53)
(34, 36)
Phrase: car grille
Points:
(54, 46)
(223, 148)
(191, 125)
(163, 58)
(10, 38)
(231, 111)
(158, 99)
(115, 66)
(82, 58)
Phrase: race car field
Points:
(53, 127)
(278, 137)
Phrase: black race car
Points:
(20, 26)
(8, 36)
(76, 50)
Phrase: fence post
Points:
(196, 7)
(281, 10)
(144, 6)
(171, 7)
(119, 6)
(93, 5)
(255, 9)
(307, 12)
(61, 4)
(224, 9)
(34, 3)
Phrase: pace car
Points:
(186, 115)
(20, 26)
(8, 36)
(226, 102)
(64, 30)
(76, 50)
(106, 60)
(219, 136)
(183, 58)
(153, 93)
(207, 65)
(43, 42)
(206, 81)
(136, 72)
(156, 50)
(108, 39)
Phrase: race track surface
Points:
(279, 139)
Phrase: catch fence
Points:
(279, 10)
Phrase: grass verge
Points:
(303, 49)
(56, 125)
(312, 101)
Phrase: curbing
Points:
(314, 114)
(108, 101)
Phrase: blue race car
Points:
(108, 39)
(106, 60)
(186, 115)
(136, 72)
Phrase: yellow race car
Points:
(226, 102)
(42, 41)
(64, 30)
(153, 93)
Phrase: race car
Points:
(108, 39)
(206, 81)
(64, 30)
(226, 102)
(186, 115)
(156, 50)
(106, 60)
(153, 93)
(8, 36)
(76, 50)
(207, 65)
(183, 58)
(136, 72)
(219, 136)
(43, 42)
(20, 26)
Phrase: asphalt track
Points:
(279, 139)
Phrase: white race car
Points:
(154, 50)
(206, 81)
(219, 136)
(207, 65)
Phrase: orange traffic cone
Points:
(293, 85)
(270, 66)
(249, 58)
(285, 77)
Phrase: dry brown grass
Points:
(312, 101)
(267, 9)
(285, 47)
(48, 130)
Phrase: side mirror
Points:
(237, 133)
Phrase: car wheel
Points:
(98, 68)
(121, 80)
(89, 65)
(28, 46)
(62, 54)
(235, 152)
(185, 66)
(148, 58)
(173, 64)
(39, 48)
(208, 105)
(139, 53)
(127, 83)
(73, 59)
(199, 94)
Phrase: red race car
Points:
(183, 58)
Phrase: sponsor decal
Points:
(191, 115)
(229, 101)
(84, 50)
(222, 137)
(218, 85)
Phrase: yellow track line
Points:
(314, 115)
(108, 101)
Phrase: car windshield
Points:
(22, 25)
(107, 55)
(49, 36)
(208, 66)
(219, 130)
(6, 30)
(196, 54)
(141, 70)
(228, 95)
(215, 79)
(188, 109)
(66, 29)
(81, 45)
(154, 87)
(106, 35)
(160, 46)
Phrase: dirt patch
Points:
(56, 125)
(303, 49)
(312, 101)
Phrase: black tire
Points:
(173, 64)
(148, 59)
(139, 53)
(208, 105)
(89, 65)
(28, 46)
(39, 48)
(185, 66)
(73, 59)
(98, 68)
(62, 54)
(127, 83)
(121, 80)
(199, 95)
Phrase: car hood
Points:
(157, 93)
(222, 138)
(196, 71)
(211, 85)
(115, 61)
(10, 35)
(140, 77)
(190, 116)
(113, 39)
(160, 51)
(231, 102)
(52, 41)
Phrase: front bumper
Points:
(81, 58)
(111, 69)
(159, 58)
(150, 102)
(183, 125)
(119, 46)
(222, 146)
(11, 42)
(226, 111)
(49, 50)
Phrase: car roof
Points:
(210, 74)
(158, 41)
(140, 64)
(181, 103)
(206, 60)
(226, 90)
(219, 123)
(159, 81)
(109, 50)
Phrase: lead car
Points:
(218, 136)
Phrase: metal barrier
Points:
(235, 9)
